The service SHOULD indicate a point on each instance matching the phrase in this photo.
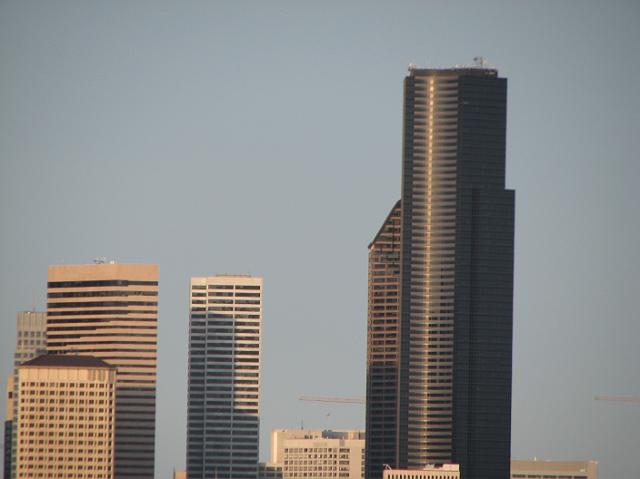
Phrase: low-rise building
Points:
(433, 471)
(316, 453)
(537, 469)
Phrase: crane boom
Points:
(332, 399)
(618, 398)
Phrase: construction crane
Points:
(618, 398)
(332, 399)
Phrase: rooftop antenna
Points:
(33, 301)
(479, 62)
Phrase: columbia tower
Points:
(455, 271)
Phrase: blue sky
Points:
(265, 138)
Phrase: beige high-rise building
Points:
(316, 453)
(110, 311)
(65, 418)
(536, 469)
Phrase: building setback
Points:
(110, 311)
(382, 344)
(453, 393)
(224, 377)
(65, 418)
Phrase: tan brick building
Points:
(65, 418)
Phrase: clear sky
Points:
(265, 137)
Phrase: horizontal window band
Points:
(98, 304)
(89, 284)
(100, 312)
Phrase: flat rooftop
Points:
(66, 361)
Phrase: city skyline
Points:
(266, 137)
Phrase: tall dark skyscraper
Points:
(454, 325)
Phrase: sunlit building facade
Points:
(540, 469)
(65, 418)
(317, 453)
(431, 471)
(110, 311)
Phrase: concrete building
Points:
(31, 341)
(537, 469)
(432, 471)
(224, 377)
(65, 418)
(452, 333)
(110, 311)
(31, 336)
(382, 342)
(316, 453)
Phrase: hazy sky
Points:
(265, 137)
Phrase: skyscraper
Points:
(110, 311)
(224, 377)
(454, 339)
